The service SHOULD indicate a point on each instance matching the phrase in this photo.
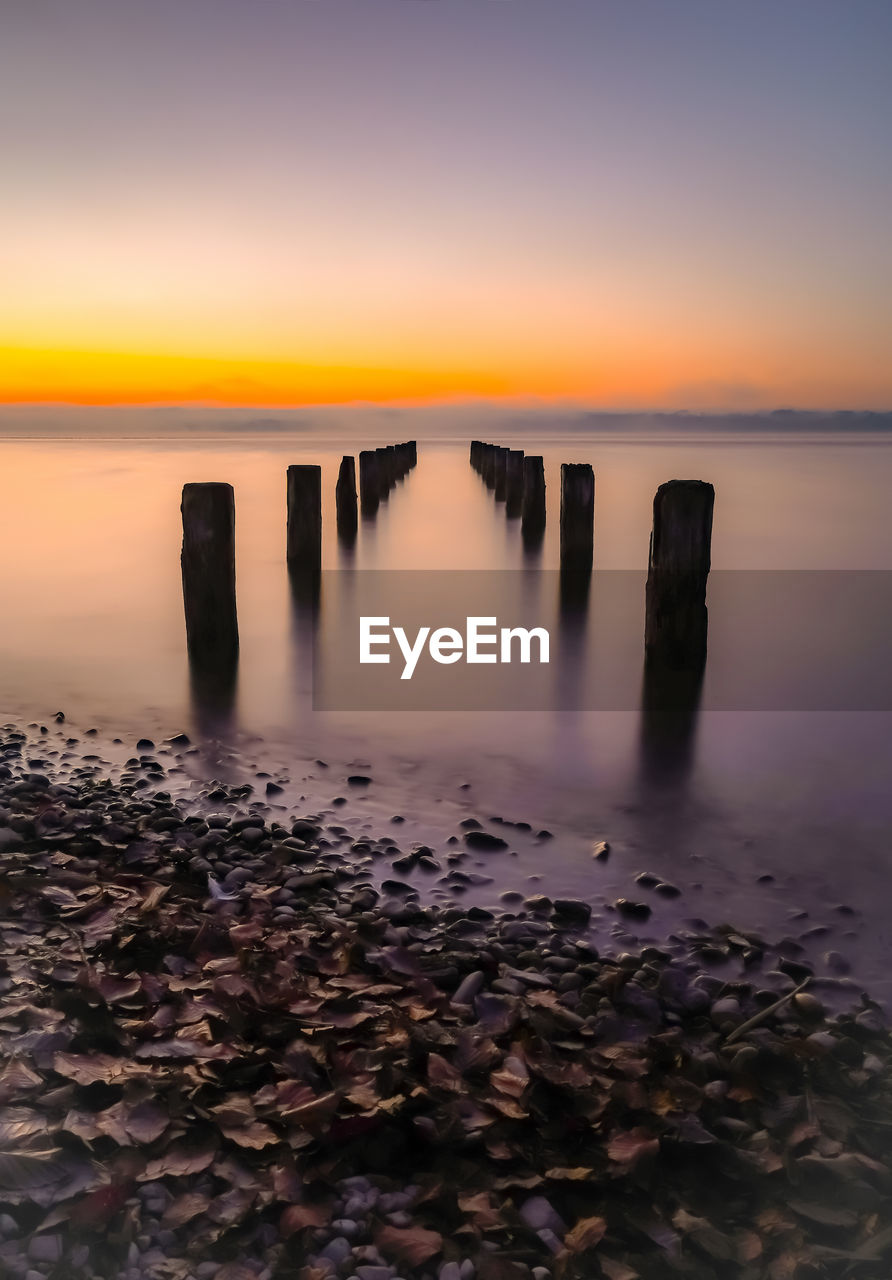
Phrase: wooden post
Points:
(369, 481)
(413, 452)
(475, 454)
(304, 535)
(675, 610)
(384, 476)
(577, 516)
(533, 506)
(499, 472)
(345, 498)
(514, 482)
(208, 566)
(489, 465)
(392, 471)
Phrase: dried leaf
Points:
(184, 1209)
(412, 1245)
(297, 1217)
(586, 1234)
(18, 1123)
(631, 1145)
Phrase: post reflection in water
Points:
(306, 595)
(213, 693)
(533, 538)
(574, 593)
(670, 708)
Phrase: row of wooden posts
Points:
(379, 470)
(680, 544)
(208, 555)
(518, 480)
(678, 565)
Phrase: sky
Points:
(617, 203)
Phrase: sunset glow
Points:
(631, 206)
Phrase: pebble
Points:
(45, 1247)
(633, 910)
(573, 909)
(337, 1250)
(485, 841)
(468, 988)
(539, 1215)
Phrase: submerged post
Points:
(369, 481)
(514, 482)
(675, 609)
(208, 566)
(577, 516)
(304, 533)
(533, 504)
(345, 497)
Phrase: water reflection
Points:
(670, 707)
(533, 536)
(213, 693)
(305, 586)
(571, 659)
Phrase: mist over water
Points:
(92, 624)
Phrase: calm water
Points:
(92, 625)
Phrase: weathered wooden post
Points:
(577, 516)
(208, 565)
(304, 532)
(392, 470)
(533, 506)
(500, 472)
(475, 454)
(413, 452)
(514, 482)
(345, 498)
(384, 476)
(675, 599)
(369, 481)
(489, 465)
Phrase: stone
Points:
(485, 841)
(633, 910)
(573, 909)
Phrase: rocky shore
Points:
(233, 1048)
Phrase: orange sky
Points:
(628, 206)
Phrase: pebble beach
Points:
(236, 1044)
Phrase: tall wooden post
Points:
(500, 472)
(385, 479)
(489, 465)
(577, 516)
(369, 481)
(680, 548)
(304, 531)
(345, 498)
(514, 482)
(533, 506)
(208, 566)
